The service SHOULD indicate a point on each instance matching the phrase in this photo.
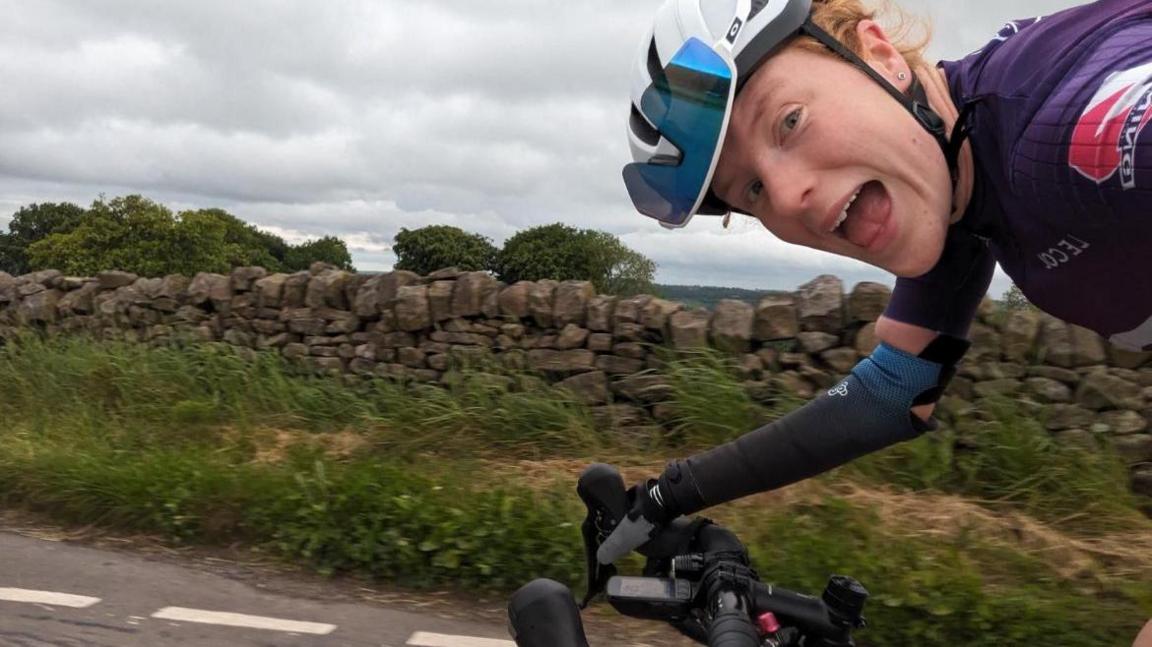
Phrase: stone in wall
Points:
(78, 302)
(295, 289)
(326, 289)
(571, 303)
(366, 304)
(514, 300)
(732, 326)
(38, 308)
(628, 309)
(270, 290)
(390, 284)
(561, 362)
(115, 279)
(571, 336)
(776, 318)
(601, 313)
(689, 328)
(411, 308)
(868, 301)
(1087, 347)
(207, 287)
(7, 288)
(820, 304)
(243, 278)
(440, 300)
(985, 344)
(815, 343)
(541, 302)
(352, 288)
(471, 291)
(1047, 390)
(36, 281)
(589, 388)
(1054, 342)
(1099, 391)
(1018, 334)
(655, 313)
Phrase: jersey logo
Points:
(1104, 140)
(1009, 30)
(840, 389)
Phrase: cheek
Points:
(787, 231)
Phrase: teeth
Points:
(844, 214)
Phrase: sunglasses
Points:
(691, 103)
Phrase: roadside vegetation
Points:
(1012, 540)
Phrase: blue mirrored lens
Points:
(688, 106)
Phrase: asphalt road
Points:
(66, 595)
(84, 587)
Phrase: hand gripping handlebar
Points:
(697, 578)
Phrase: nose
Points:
(789, 186)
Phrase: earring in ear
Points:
(901, 76)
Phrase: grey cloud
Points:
(357, 117)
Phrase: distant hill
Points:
(706, 296)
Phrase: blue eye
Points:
(791, 120)
(754, 190)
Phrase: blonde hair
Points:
(840, 17)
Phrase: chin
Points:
(916, 259)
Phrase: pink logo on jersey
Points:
(1104, 140)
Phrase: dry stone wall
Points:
(401, 325)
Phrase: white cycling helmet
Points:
(690, 67)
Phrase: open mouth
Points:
(865, 215)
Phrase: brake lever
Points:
(601, 488)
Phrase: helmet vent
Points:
(642, 129)
(757, 6)
(655, 69)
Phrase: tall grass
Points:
(141, 394)
(1009, 461)
(709, 401)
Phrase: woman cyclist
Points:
(805, 115)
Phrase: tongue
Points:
(867, 215)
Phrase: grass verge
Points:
(983, 548)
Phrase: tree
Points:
(328, 249)
(30, 224)
(1014, 299)
(135, 234)
(615, 268)
(434, 247)
(244, 244)
(563, 253)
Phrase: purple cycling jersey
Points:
(1063, 195)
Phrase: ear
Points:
(881, 54)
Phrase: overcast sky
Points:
(356, 118)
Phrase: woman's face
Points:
(810, 132)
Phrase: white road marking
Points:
(425, 639)
(242, 620)
(47, 597)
